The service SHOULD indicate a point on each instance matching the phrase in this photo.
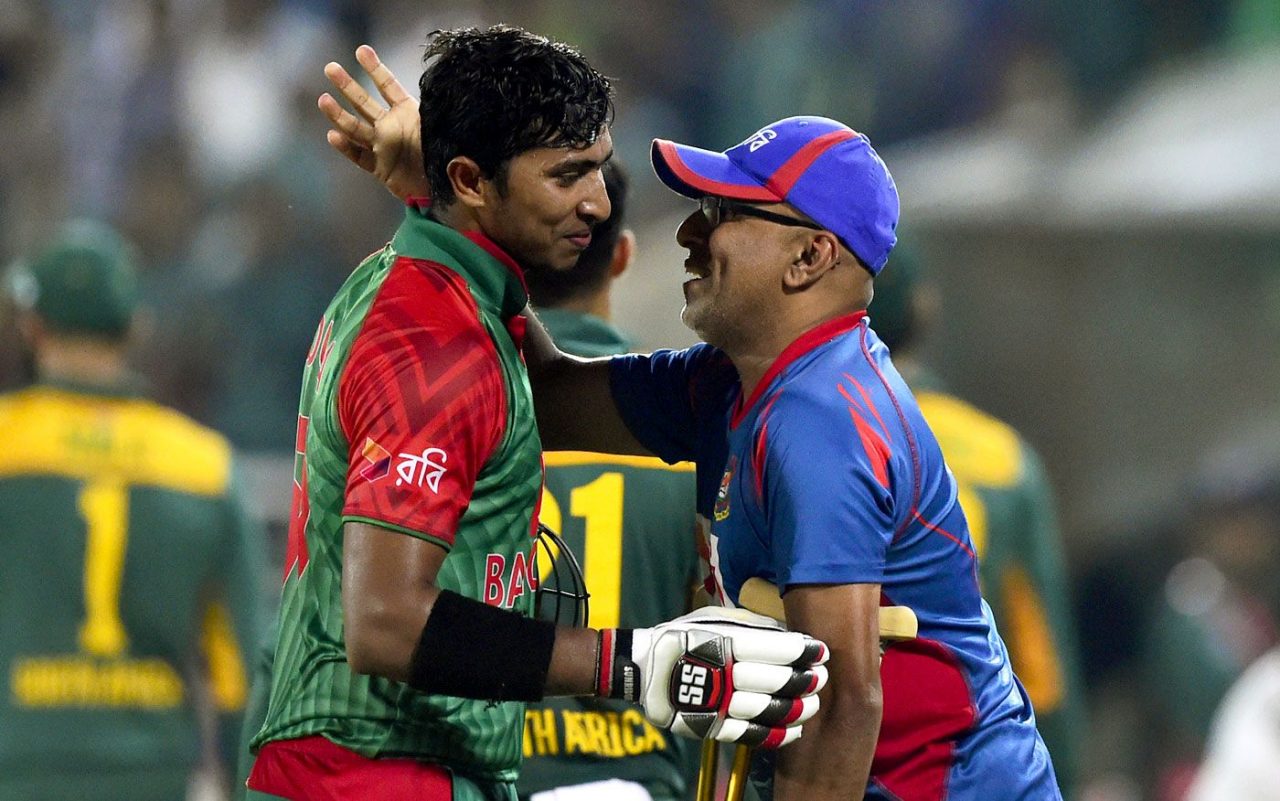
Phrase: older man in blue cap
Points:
(818, 473)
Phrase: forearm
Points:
(573, 662)
(833, 758)
(399, 625)
(573, 400)
(511, 657)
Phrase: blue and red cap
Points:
(820, 167)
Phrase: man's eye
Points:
(568, 178)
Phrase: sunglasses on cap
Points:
(715, 209)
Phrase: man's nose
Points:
(595, 205)
(693, 231)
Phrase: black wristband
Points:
(472, 650)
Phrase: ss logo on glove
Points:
(699, 677)
(693, 684)
(723, 674)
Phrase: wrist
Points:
(617, 674)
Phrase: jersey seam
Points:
(346, 356)
(422, 535)
(906, 431)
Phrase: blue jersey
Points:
(828, 474)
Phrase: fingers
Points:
(778, 680)
(349, 88)
(755, 735)
(347, 124)
(758, 736)
(388, 85)
(768, 710)
(732, 730)
(774, 647)
(361, 157)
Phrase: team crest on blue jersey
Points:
(721, 510)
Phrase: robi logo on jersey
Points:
(413, 469)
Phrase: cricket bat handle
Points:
(897, 623)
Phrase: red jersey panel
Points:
(421, 402)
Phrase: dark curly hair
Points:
(549, 288)
(493, 94)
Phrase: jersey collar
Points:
(583, 334)
(813, 338)
(495, 278)
(131, 387)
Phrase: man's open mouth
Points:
(694, 271)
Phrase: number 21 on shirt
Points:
(599, 503)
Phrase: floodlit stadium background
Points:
(1094, 187)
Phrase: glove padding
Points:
(723, 674)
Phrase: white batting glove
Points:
(717, 674)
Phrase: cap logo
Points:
(762, 138)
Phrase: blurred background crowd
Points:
(1092, 187)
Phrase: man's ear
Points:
(624, 250)
(468, 181)
(818, 253)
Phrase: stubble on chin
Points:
(703, 321)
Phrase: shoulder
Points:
(703, 373)
(193, 456)
(151, 444)
(423, 316)
(25, 413)
(12, 404)
(423, 292)
(711, 371)
(806, 422)
(700, 358)
(979, 447)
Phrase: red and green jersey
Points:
(129, 561)
(630, 520)
(416, 415)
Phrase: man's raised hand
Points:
(383, 140)
(721, 674)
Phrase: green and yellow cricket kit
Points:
(129, 563)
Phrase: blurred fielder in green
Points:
(131, 567)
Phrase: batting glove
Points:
(721, 674)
